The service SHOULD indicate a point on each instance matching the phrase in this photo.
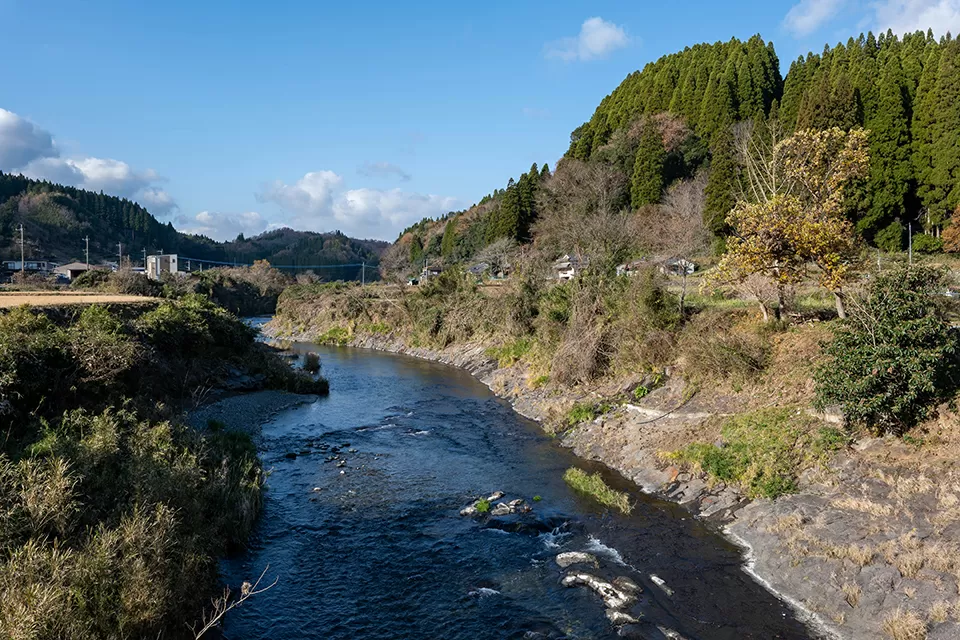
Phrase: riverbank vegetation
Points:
(594, 486)
(112, 513)
(245, 291)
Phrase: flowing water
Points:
(376, 548)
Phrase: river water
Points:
(376, 548)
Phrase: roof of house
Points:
(566, 261)
(73, 266)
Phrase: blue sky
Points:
(361, 116)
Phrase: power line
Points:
(280, 266)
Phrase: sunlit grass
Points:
(593, 485)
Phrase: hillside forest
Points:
(678, 133)
(57, 218)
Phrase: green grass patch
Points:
(335, 335)
(594, 486)
(539, 381)
(483, 506)
(510, 353)
(764, 451)
(376, 328)
(585, 412)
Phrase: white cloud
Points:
(104, 174)
(597, 39)
(903, 16)
(316, 203)
(383, 170)
(807, 16)
(372, 212)
(25, 148)
(222, 226)
(22, 142)
(157, 201)
(313, 193)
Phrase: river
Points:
(376, 548)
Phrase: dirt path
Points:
(10, 299)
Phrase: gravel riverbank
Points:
(246, 411)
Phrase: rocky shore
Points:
(246, 411)
(868, 548)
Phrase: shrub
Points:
(311, 362)
(721, 345)
(594, 486)
(128, 282)
(482, 505)
(110, 525)
(895, 357)
(101, 346)
(764, 452)
(927, 244)
(91, 279)
(194, 324)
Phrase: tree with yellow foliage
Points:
(795, 216)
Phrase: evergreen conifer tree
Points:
(646, 184)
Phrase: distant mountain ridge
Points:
(57, 218)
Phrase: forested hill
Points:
(56, 219)
(679, 119)
(708, 85)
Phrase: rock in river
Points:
(568, 558)
(613, 597)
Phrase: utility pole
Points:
(120, 254)
(363, 273)
(23, 265)
(87, 251)
(144, 258)
(910, 242)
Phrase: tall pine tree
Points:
(646, 184)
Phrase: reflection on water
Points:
(362, 526)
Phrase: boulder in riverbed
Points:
(619, 617)
(568, 558)
(613, 597)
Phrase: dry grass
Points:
(910, 563)
(864, 506)
(904, 625)
(851, 593)
(940, 611)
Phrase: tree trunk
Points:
(683, 293)
(841, 307)
(763, 310)
(781, 301)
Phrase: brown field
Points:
(10, 299)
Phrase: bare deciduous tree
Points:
(758, 149)
(675, 228)
(395, 262)
(583, 212)
(501, 255)
(223, 604)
